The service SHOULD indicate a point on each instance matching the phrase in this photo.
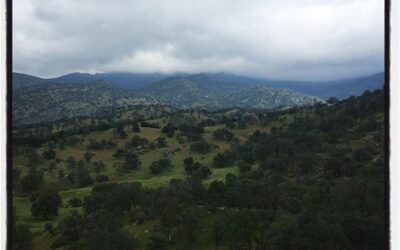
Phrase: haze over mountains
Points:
(41, 100)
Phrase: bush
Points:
(203, 172)
(195, 169)
(49, 154)
(75, 202)
(225, 159)
(193, 132)
(161, 142)
(46, 204)
(150, 124)
(157, 241)
(135, 127)
(138, 141)
(169, 130)
(101, 178)
(275, 165)
(71, 161)
(140, 217)
(223, 134)
(84, 178)
(244, 167)
(88, 156)
(22, 237)
(131, 161)
(160, 166)
(98, 166)
(201, 147)
(362, 155)
(32, 181)
(190, 168)
(48, 227)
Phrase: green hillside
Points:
(152, 177)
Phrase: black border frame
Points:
(9, 19)
(387, 127)
(9, 57)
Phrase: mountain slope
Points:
(346, 88)
(262, 97)
(23, 80)
(323, 89)
(182, 93)
(199, 91)
(124, 80)
(52, 101)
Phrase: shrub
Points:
(157, 241)
(244, 167)
(150, 124)
(98, 166)
(201, 147)
(46, 204)
(169, 129)
(195, 169)
(48, 227)
(75, 202)
(160, 166)
(22, 237)
(101, 178)
(225, 159)
(223, 134)
(131, 161)
(32, 181)
(49, 154)
(83, 176)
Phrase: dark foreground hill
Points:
(298, 179)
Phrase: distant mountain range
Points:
(129, 81)
(133, 81)
(39, 100)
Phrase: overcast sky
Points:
(291, 39)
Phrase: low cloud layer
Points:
(293, 39)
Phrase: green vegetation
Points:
(159, 166)
(45, 204)
(301, 178)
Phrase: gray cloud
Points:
(293, 39)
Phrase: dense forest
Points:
(301, 178)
